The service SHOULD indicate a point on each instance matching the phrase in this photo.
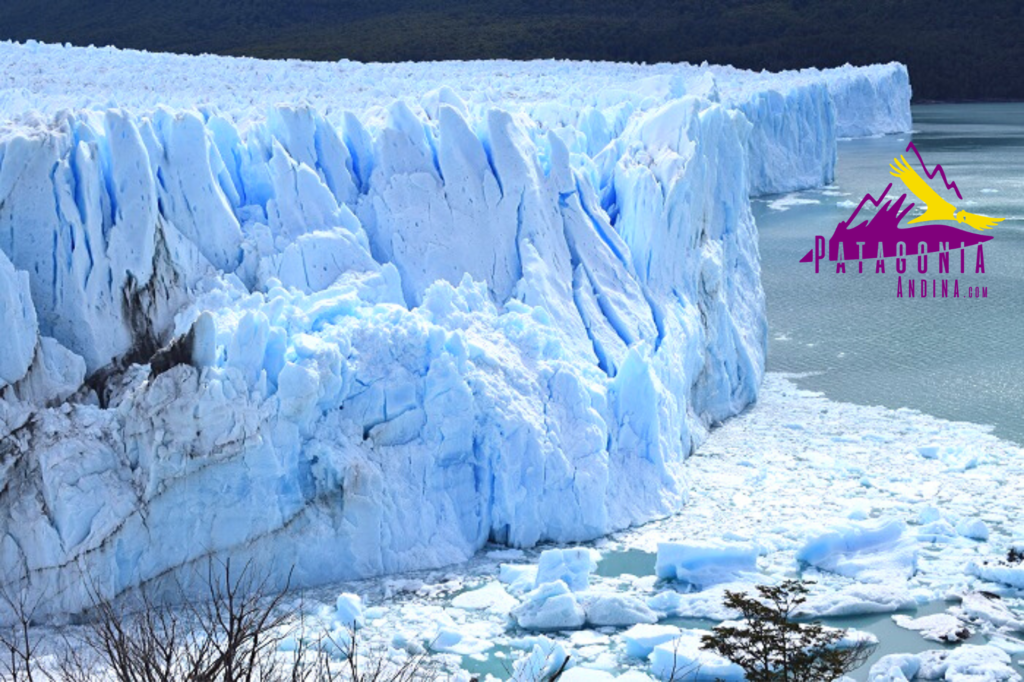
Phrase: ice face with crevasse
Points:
(358, 318)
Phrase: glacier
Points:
(353, 319)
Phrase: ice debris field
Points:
(903, 523)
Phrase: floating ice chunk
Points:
(348, 610)
(588, 638)
(859, 599)
(870, 551)
(966, 663)
(851, 538)
(452, 641)
(979, 607)
(977, 663)
(855, 638)
(339, 643)
(491, 597)
(708, 603)
(973, 528)
(641, 639)
(551, 606)
(572, 566)
(1010, 645)
(939, 627)
(684, 658)
(895, 668)
(998, 571)
(617, 610)
(705, 563)
(789, 201)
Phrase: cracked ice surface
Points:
(415, 307)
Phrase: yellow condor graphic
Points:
(938, 208)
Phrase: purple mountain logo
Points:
(878, 237)
(882, 236)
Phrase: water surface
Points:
(957, 359)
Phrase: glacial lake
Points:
(958, 359)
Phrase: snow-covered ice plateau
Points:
(358, 318)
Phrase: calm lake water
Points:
(959, 359)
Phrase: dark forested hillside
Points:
(954, 50)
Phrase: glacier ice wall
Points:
(476, 301)
(871, 100)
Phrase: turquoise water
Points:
(956, 359)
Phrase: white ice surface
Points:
(868, 551)
(966, 663)
(938, 627)
(703, 564)
(572, 566)
(551, 606)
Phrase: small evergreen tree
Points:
(771, 646)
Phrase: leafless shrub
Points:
(678, 672)
(19, 646)
(234, 633)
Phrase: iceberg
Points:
(376, 315)
(966, 662)
(703, 564)
(552, 606)
(572, 566)
(874, 551)
(938, 627)
(617, 610)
